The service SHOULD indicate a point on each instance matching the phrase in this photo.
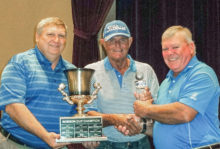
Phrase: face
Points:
(177, 52)
(117, 47)
(51, 42)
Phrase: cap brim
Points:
(116, 34)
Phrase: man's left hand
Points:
(91, 144)
(140, 107)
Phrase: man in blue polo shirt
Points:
(29, 97)
(186, 110)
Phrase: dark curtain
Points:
(148, 19)
(88, 17)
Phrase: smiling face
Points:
(51, 41)
(177, 52)
(117, 47)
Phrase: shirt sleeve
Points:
(199, 91)
(13, 85)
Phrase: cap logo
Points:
(115, 27)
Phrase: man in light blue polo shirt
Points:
(29, 97)
(116, 75)
(186, 110)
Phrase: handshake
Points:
(136, 125)
(131, 124)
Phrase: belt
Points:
(211, 146)
(125, 144)
(11, 137)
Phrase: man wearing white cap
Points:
(116, 75)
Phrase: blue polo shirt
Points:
(29, 79)
(197, 87)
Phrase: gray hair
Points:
(185, 32)
(50, 21)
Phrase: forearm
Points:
(25, 119)
(108, 119)
(174, 113)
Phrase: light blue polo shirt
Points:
(29, 79)
(117, 95)
(196, 86)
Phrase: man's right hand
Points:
(133, 128)
(130, 121)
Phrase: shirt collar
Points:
(43, 60)
(194, 61)
(108, 65)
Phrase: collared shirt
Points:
(113, 98)
(119, 77)
(118, 74)
(197, 87)
(29, 79)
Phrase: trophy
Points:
(140, 85)
(80, 127)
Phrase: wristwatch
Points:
(144, 125)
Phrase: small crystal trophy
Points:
(140, 85)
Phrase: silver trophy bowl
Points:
(79, 83)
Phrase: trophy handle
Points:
(97, 87)
(66, 97)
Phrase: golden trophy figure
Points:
(80, 127)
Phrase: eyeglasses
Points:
(121, 41)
